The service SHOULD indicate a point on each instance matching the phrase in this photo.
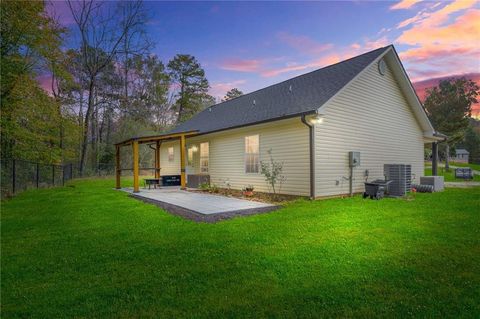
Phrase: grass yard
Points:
(472, 166)
(89, 251)
(450, 175)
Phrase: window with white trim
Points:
(204, 157)
(190, 157)
(171, 155)
(252, 148)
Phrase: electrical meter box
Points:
(354, 159)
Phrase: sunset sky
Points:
(250, 45)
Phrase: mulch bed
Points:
(257, 196)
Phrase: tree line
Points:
(107, 87)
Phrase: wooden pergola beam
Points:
(135, 142)
(157, 159)
(183, 181)
(136, 187)
(118, 169)
(149, 139)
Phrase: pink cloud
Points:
(425, 54)
(375, 44)
(303, 43)
(404, 4)
(324, 61)
(355, 46)
(273, 67)
(442, 41)
(418, 17)
(241, 65)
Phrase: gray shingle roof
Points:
(296, 96)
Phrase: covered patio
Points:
(154, 142)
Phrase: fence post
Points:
(63, 175)
(38, 175)
(13, 176)
(53, 175)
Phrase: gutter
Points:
(312, 156)
(440, 135)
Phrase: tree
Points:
(472, 145)
(102, 37)
(449, 107)
(192, 85)
(233, 93)
(150, 87)
(272, 171)
(30, 118)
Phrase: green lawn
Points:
(90, 251)
(472, 166)
(450, 175)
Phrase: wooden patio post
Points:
(183, 181)
(135, 167)
(117, 167)
(157, 160)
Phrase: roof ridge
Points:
(315, 87)
(300, 75)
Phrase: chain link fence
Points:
(19, 175)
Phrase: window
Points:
(204, 154)
(190, 157)
(170, 154)
(252, 161)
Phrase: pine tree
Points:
(233, 93)
(192, 85)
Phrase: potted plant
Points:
(248, 191)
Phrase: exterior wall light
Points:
(194, 148)
(316, 119)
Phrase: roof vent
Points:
(290, 89)
(382, 67)
(254, 103)
(210, 109)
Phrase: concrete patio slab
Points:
(200, 206)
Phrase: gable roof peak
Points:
(301, 94)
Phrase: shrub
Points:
(272, 171)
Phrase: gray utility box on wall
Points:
(401, 177)
(435, 181)
(353, 159)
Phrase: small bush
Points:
(204, 187)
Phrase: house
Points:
(310, 123)
(461, 155)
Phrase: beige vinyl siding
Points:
(288, 140)
(167, 167)
(373, 117)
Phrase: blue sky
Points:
(270, 33)
(251, 45)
